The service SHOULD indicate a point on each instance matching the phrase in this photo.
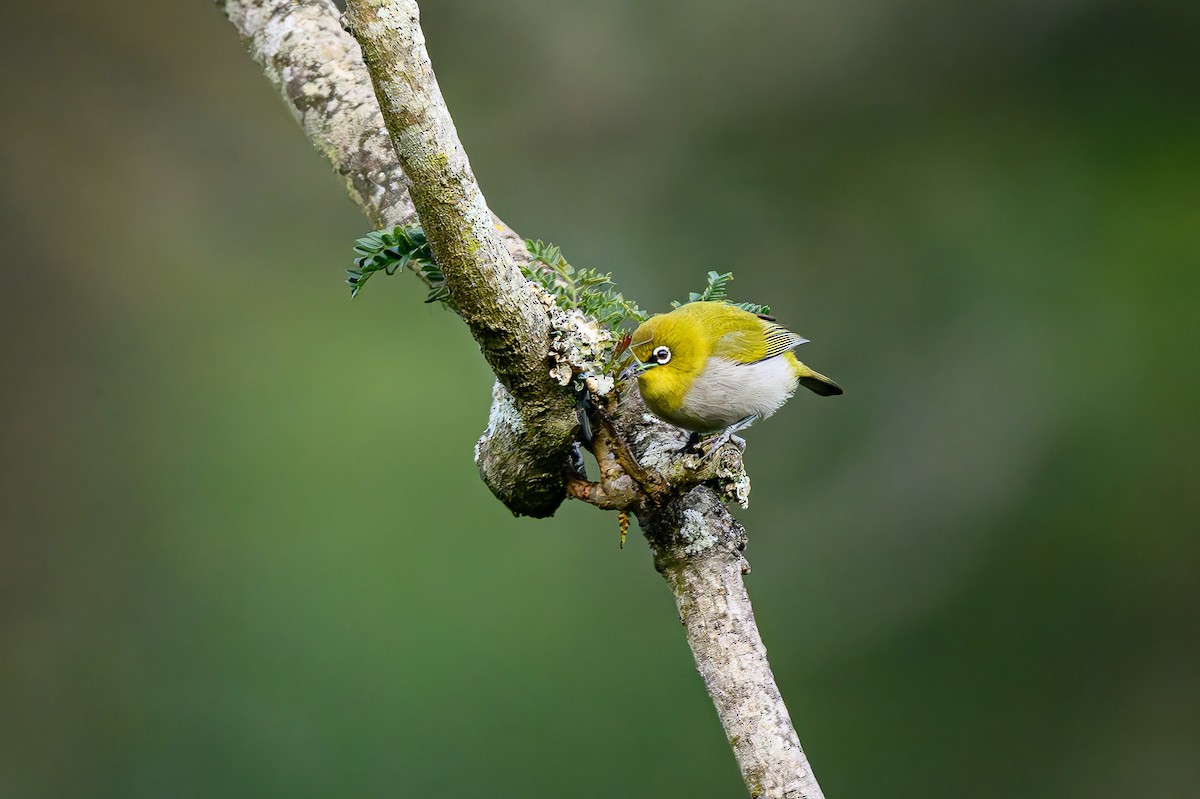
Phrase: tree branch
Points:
(503, 309)
(319, 71)
(535, 348)
(698, 549)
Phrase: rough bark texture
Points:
(698, 549)
(679, 501)
(698, 546)
(320, 73)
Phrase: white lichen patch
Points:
(695, 532)
(658, 452)
(579, 347)
(735, 483)
(561, 373)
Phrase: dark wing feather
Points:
(779, 339)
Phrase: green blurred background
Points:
(243, 547)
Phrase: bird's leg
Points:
(692, 447)
(728, 434)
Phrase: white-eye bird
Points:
(711, 366)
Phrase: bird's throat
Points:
(664, 389)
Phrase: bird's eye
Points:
(661, 355)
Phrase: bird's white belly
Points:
(727, 392)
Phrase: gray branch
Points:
(317, 68)
(698, 549)
(535, 348)
(698, 546)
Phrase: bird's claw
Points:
(705, 447)
(714, 444)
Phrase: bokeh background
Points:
(243, 547)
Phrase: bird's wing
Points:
(780, 340)
(751, 343)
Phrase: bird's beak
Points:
(636, 368)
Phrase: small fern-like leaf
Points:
(717, 290)
(588, 291)
(391, 251)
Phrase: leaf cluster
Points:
(717, 290)
(588, 290)
(391, 250)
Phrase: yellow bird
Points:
(711, 366)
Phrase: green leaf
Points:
(717, 290)
(588, 290)
(394, 250)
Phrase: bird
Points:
(711, 367)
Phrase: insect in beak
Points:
(638, 366)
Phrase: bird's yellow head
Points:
(671, 350)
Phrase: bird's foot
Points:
(713, 444)
(726, 436)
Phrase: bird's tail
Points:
(817, 382)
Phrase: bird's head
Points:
(671, 350)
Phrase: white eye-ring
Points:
(661, 355)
